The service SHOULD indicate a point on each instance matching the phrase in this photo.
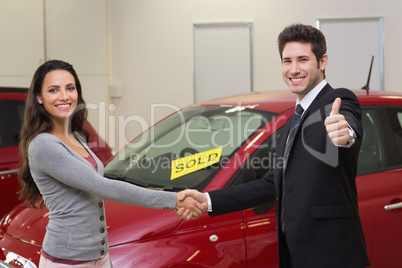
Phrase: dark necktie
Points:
(289, 142)
(293, 130)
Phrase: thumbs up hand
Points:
(336, 125)
(336, 106)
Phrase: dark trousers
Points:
(287, 257)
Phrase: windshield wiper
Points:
(173, 188)
(127, 179)
(144, 184)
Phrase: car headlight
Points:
(17, 261)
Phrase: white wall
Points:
(150, 45)
(75, 31)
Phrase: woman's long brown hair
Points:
(37, 120)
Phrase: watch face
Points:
(352, 138)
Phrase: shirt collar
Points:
(309, 97)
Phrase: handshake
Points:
(191, 204)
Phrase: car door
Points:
(380, 185)
(259, 222)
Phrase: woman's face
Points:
(59, 94)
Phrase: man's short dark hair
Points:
(304, 34)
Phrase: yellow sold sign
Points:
(189, 164)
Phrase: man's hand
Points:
(336, 125)
(190, 204)
(194, 196)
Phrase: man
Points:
(315, 191)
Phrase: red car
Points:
(12, 105)
(217, 144)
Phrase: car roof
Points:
(280, 101)
(379, 97)
(13, 90)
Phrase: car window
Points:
(259, 163)
(257, 166)
(395, 118)
(371, 155)
(187, 149)
(11, 116)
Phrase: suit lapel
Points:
(280, 150)
(313, 107)
(316, 102)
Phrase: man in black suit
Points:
(315, 191)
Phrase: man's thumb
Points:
(336, 106)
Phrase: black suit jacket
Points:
(323, 227)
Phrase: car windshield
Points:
(188, 148)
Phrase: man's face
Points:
(300, 69)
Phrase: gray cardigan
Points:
(73, 191)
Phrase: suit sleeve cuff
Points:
(351, 141)
(209, 202)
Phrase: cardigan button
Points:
(102, 252)
(103, 242)
(100, 204)
(102, 218)
(102, 230)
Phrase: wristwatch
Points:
(352, 138)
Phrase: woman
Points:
(59, 167)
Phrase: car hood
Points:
(125, 223)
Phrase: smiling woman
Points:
(59, 95)
(38, 117)
(59, 166)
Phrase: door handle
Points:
(7, 173)
(393, 206)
